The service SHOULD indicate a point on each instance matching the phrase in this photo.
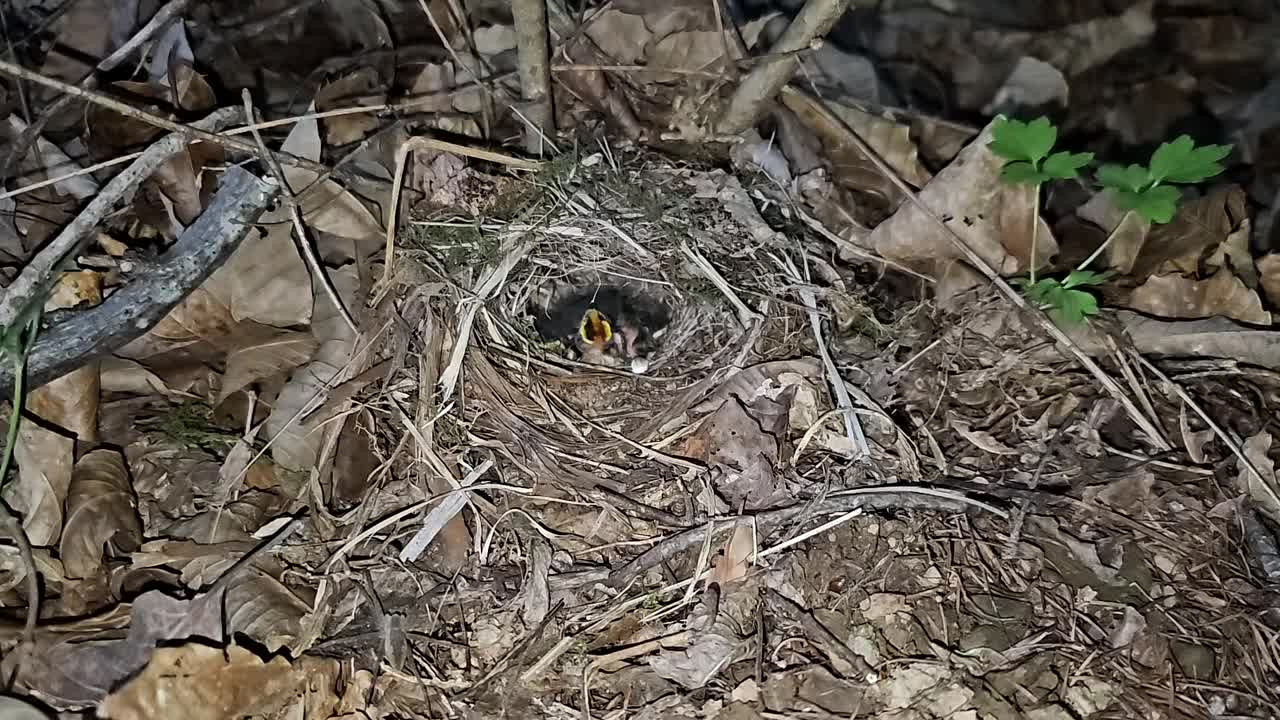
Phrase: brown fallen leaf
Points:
(202, 315)
(261, 607)
(1198, 226)
(101, 511)
(1263, 491)
(1179, 297)
(76, 666)
(199, 682)
(265, 280)
(261, 351)
(1269, 278)
(994, 218)
(68, 408)
(297, 443)
(355, 89)
(76, 288)
(327, 206)
(833, 123)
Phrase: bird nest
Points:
(663, 235)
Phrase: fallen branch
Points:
(535, 72)
(38, 270)
(757, 89)
(191, 132)
(28, 137)
(135, 308)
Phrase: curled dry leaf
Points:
(297, 444)
(1200, 224)
(198, 682)
(261, 351)
(1263, 491)
(68, 409)
(264, 609)
(327, 207)
(1180, 297)
(101, 512)
(993, 218)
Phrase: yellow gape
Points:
(595, 328)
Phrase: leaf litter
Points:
(849, 478)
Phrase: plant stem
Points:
(1110, 236)
(1035, 227)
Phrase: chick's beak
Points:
(595, 328)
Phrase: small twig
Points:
(38, 269)
(852, 426)
(762, 83)
(291, 199)
(27, 139)
(189, 132)
(532, 49)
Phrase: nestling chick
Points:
(605, 323)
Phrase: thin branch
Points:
(532, 43)
(37, 271)
(27, 139)
(758, 88)
(291, 199)
(191, 132)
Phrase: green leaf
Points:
(1116, 177)
(1021, 141)
(1066, 165)
(1044, 291)
(1072, 307)
(1020, 172)
(1181, 161)
(1078, 278)
(1158, 204)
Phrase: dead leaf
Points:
(68, 409)
(121, 375)
(265, 280)
(76, 288)
(101, 511)
(735, 558)
(199, 682)
(356, 89)
(1263, 491)
(1194, 442)
(1269, 278)
(70, 670)
(297, 444)
(1179, 297)
(262, 608)
(994, 218)
(202, 315)
(261, 351)
(981, 439)
(327, 207)
(1032, 83)
(833, 123)
(1127, 231)
(1129, 492)
(1200, 224)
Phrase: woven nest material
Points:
(648, 228)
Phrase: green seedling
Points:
(1147, 191)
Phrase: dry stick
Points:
(38, 269)
(28, 137)
(291, 199)
(338, 112)
(1214, 426)
(532, 49)
(763, 83)
(190, 131)
(1108, 383)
